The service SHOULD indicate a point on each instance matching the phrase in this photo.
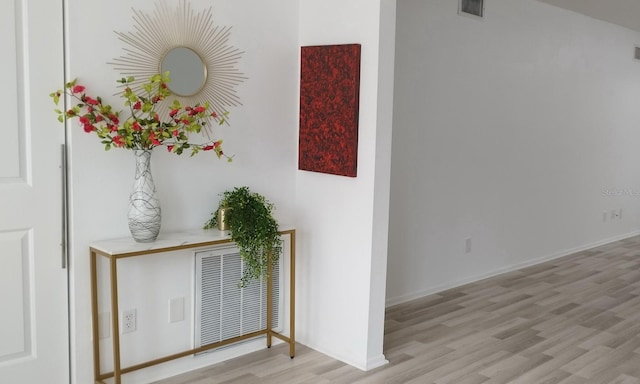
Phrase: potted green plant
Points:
(253, 229)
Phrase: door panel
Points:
(10, 156)
(14, 295)
(34, 335)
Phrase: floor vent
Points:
(223, 309)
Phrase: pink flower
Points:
(176, 133)
(196, 110)
(118, 141)
(137, 105)
(208, 147)
(90, 101)
(136, 126)
(174, 112)
(154, 140)
(86, 124)
(170, 148)
(77, 89)
(214, 115)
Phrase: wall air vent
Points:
(223, 309)
(473, 8)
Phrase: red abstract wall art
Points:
(329, 108)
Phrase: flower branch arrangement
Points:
(143, 129)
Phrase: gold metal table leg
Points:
(94, 316)
(269, 301)
(292, 295)
(114, 320)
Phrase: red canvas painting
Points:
(329, 108)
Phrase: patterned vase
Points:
(144, 206)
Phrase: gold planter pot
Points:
(223, 214)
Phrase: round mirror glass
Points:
(187, 71)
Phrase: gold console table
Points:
(117, 249)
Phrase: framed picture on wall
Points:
(329, 109)
(474, 8)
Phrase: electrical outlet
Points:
(129, 321)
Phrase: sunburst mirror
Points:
(201, 63)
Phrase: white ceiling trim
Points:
(625, 13)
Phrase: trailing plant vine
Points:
(253, 229)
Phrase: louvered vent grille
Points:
(224, 310)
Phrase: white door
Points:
(33, 285)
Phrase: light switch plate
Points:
(176, 310)
(104, 325)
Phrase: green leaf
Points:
(55, 96)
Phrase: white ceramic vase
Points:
(144, 206)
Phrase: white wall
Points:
(342, 221)
(262, 136)
(517, 131)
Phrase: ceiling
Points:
(622, 12)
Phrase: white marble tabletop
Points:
(192, 237)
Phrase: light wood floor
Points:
(572, 320)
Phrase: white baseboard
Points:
(390, 302)
(376, 362)
(367, 365)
